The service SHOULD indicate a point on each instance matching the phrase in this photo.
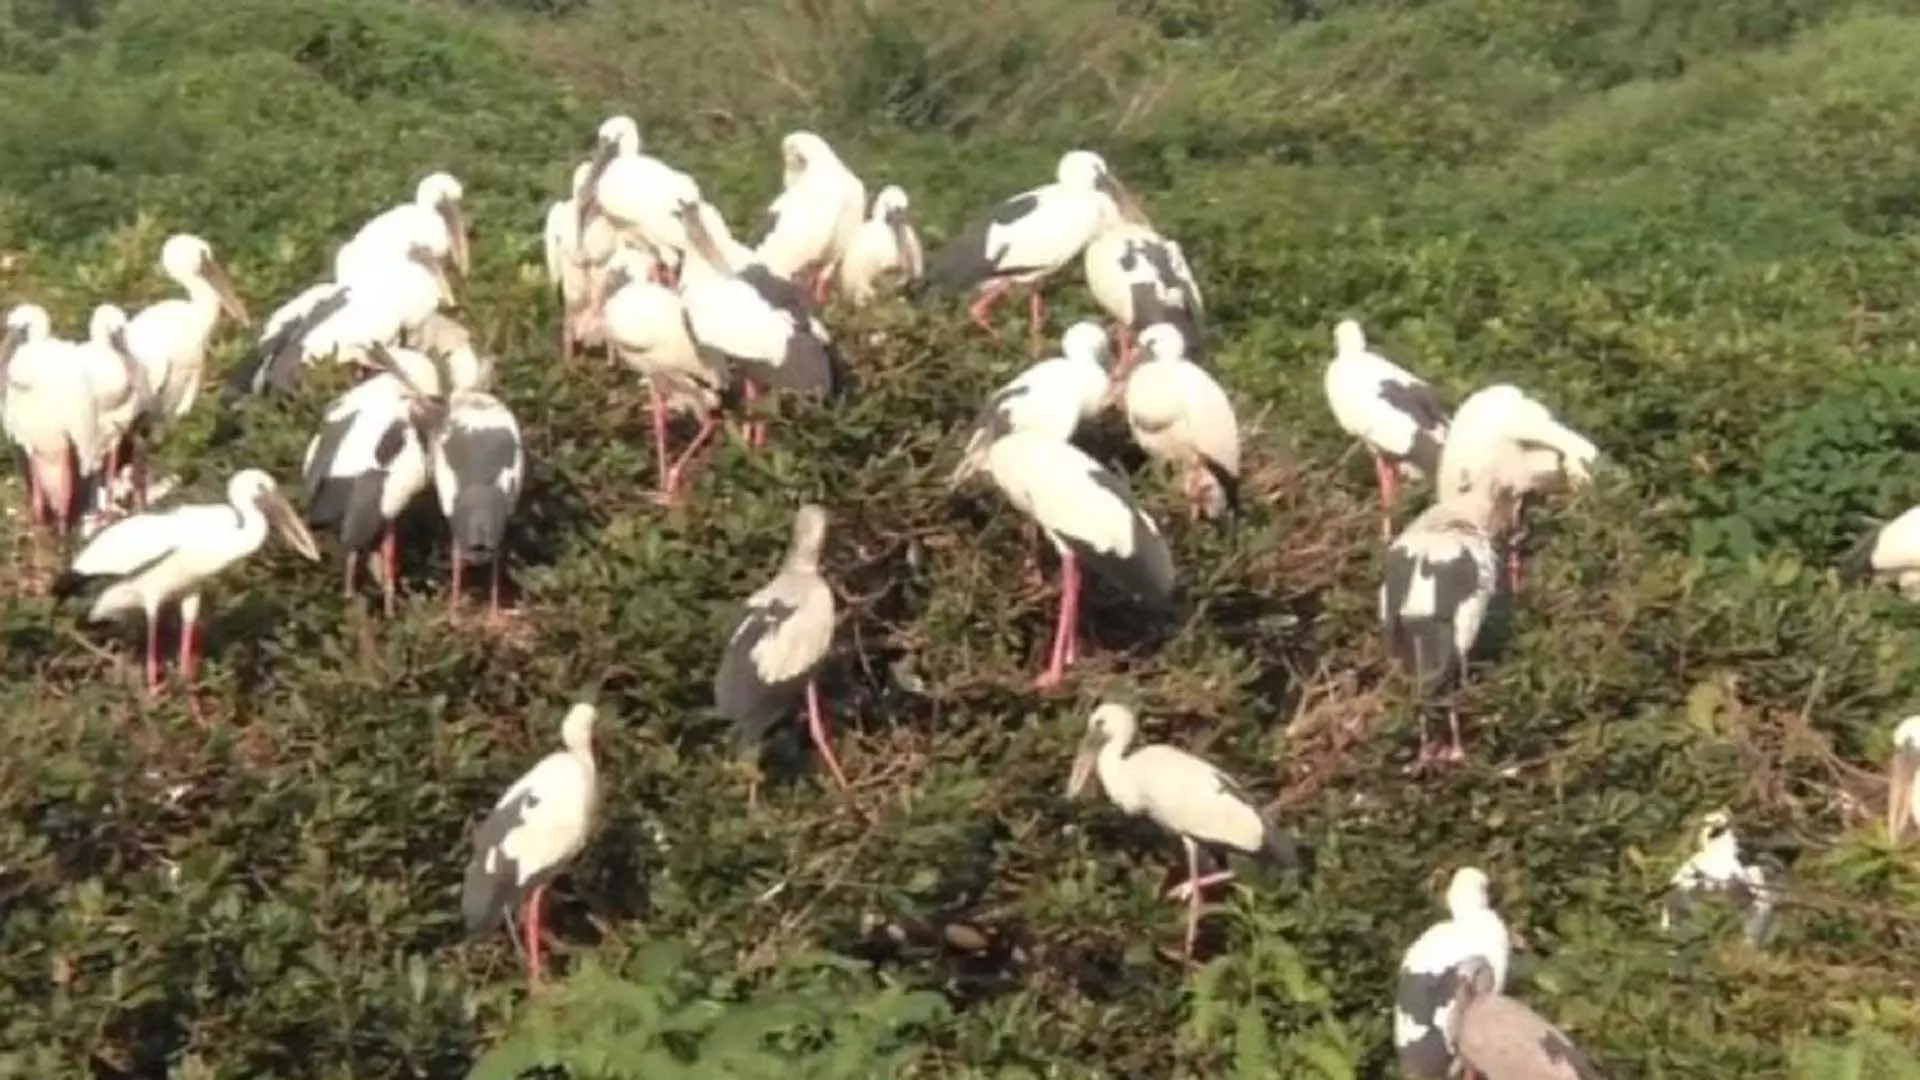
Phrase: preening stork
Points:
(436, 210)
(884, 252)
(1503, 438)
(1715, 869)
(761, 323)
(1140, 279)
(1499, 1038)
(1440, 580)
(121, 399)
(639, 193)
(1903, 780)
(1891, 552)
(161, 556)
(1051, 398)
(647, 328)
(1181, 793)
(1393, 412)
(1423, 1002)
(1029, 237)
(48, 414)
(779, 644)
(171, 338)
(533, 833)
(813, 219)
(576, 264)
(1089, 517)
(1178, 413)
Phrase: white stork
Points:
(1089, 517)
(640, 193)
(1890, 552)
(1903, 780)
(534, 831)
(1178, 413)
(121, 398)
(576, 264)
(812, 221)
(1140, 278)
(1715, 868)
(647, 328)
(435, 210)
(1393, 412)
(1181, 793)
(1440, 579)
(1502, 437)
(49, 414)
(171, 338)
(1052, 398)
(1500, 1038)
(884, 250)
(1029, 237)
(779, 643)
(1423, 1000)
(161, 556)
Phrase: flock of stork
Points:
(648, 269)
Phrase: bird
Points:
(1499, 1038)
(761, 323)
(479, 465)
(1423, 1000)
(1502, 437)
(49, 415)
(647, 328)
(121, 398)
(1053, 397)
(1440, 579)
(1087, 514)
(1178, 413)
(639, 193)
(533, 833)
(576, 260)
(171, 338)
(1715, 868)
(364, 468)
(1181, 793)
(885, 250)
(1903, 780)
(1029, 237)
(1140, 279)
(436, 209)
(1891, 552)
(1393, 412)
(779, 643)
(161, 556)
(813, 219)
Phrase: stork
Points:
(577, 259)
(647, 328)
(121, 399)
(639, 193)
(884, 250)
(1140, 279)
(1423, 1002)
(436, 209)
(812, 221)
(49, 414)
(1500, 1038)
(1903, 780)
(1502, 437)
(1053, 398)
(171, 338)
(1715, 868)
(1178, 413)
(1393, 412)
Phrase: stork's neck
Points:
(1122, 786)
(253, 524)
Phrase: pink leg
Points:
(981, 310)
(353, 565)
(659, 434)
(1124, 366)
(822, 286)
(1036, 317)
(493, 586)
(36, 494)
(1193, 898)
(1389, 479)
(190, 665)
(459, 580)
(390, 559)
(1063, 630)
(754, 431)
(139, 456)
(154, 680)
(817, 727)
(536, 970)
(677, 474)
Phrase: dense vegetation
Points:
(1689, 226)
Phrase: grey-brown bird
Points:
(1499, 1038)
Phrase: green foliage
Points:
(1687, 226)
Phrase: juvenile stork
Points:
(533, 833)
(576, 265)
(1089, 517)
(779, 644)
(1184, 795)
(170, 338)
(1440, 581)
(647, 328)
(1393, 412)
(1500, 1038)
(48, 414)
(160, 556)
(1715, 869)
(1140, 279)
(436, 209)
(1502, 437)
(1178, 413)
(639, 193)
(121, 398)
(1052, 398)
(761, 323)
(885, 250)
(812, 221)
(1029, 237)
(1890, 552)
(1424, 1000)
(1903, 780)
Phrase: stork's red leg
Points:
(1124, 366)
(659, 404)
(677, 474)
(190, 662)
(1063, 628)
(1036, 316)
(1389, 480)
(817, 727)
(353, 564)
(753, 431)
(1193, 898)
(981, 310)
(154, 682)
(459, 580)
(822, 286)
(390, 560)
(138, 455)
(536, 969)
(37, 497)
(1076, 584)
(493, 586)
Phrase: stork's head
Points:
(1474, 978)
(25, 323)
(253, 487)
(109, 327)
(576, 729)
(1086, 340)
(1467, 892)
(1349, 339)
(891, 205)
(1163, 341)
(1715, 828)
(1085, 170)
(441, 193)
(188, 259)
(618, 135)
(802, 150)
(1110, 723)
(809, 536)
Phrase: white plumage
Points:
(576, 258)
(1715, 868)
(1140, 278)
(171, 338)
(1394, 412)
(1178, 413)
(49, 413)
(535, 830)
(1051, 398)
(648, 329)
(121, 396)
(813, 219)
(434, 217)
(640, 193)
(1181, 793)
(1423, 1001)
(1890, 553)
(884, 251)
(364, 468)
(1503, 439)
(1903, 780)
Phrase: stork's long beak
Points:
(1084, 761)
(438, 269)
(1129, 206)
(281, 515)
(698, 237)
(589, 198)
(1901, 791)
(216, 276)
(898, 221)
(456, 219)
